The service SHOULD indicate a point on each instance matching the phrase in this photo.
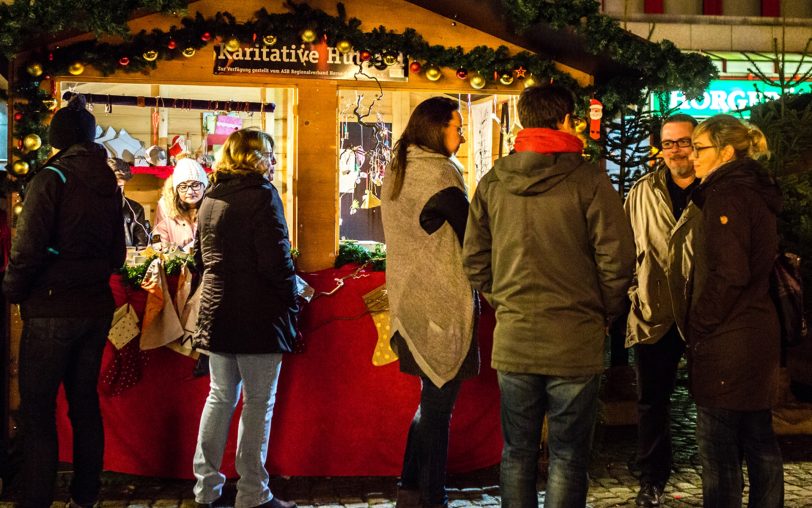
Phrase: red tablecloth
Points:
(336, 414)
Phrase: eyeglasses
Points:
(668, 144)
(270, 156)
(460, 131)
(697, 149)
(195, 186)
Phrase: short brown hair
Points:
(545, 106)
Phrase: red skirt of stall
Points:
(336, 414)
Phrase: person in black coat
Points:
(136, 226)
(70, 239)
(247, 314)
(733, 330)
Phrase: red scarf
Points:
(547, 141)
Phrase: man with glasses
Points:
(664, 223)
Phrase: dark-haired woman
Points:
(433, 308)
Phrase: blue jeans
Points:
(571, 406)
(424, 462)
(256, 376)
(56, 351)
(724, 438)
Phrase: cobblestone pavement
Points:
(613, 478)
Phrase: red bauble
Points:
(205, 37)
(365, 55)
(124, 61)
(415, 67)
(462, 73)
(171, 44)
(18, 116)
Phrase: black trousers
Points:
(656, 368)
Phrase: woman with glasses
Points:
(176, 215)
(733, 337)
(433, 308)
(247, 315)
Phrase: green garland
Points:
(661, 66)
(351, 252)
(133, 275)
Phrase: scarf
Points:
(547, 141)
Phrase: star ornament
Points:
(521, 72)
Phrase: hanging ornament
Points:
(189, 52)
(390, 58)
(379, 63)
(171, 44)
(150, 56)
(20, 168)
(32, 142)
(521, 72)
(18, 208)
(478, 81)
(433, 73)
(76, 68)
(124, 61)
(205, 37)
(34, 69)
(462, 73)
(269, 40)
(233, 44)
(50, 104)
(595, 115)
(18, 116)
(415, 67)
(308, 35)
(344, 46)
(529, 81)
(506, 78)
(365, 55)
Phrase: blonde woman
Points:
(247, 314)
(733, 338)
(176, 215)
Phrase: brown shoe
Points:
(408, 499)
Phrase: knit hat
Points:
(120, 168)
(189, 169)
(72, 125)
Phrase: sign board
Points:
(306, 60)
(726, 96)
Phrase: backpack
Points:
(787, 291)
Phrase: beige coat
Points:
(665, 254)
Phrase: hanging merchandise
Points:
(595, 115)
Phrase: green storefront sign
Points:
(725, 96)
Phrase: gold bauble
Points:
(506, 78)
(478, 81)
(433, 73)
(189, 52)
(529, 81)
(76, 68)
(344, 46)
(32, 142)
(390, 58)
(232, 44)
(51, 104)
(150, 56)
(308, 35)
(34, 69)
(17, 210)
(269, 40)
(20, 168)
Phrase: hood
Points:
(88, 163)
(742, 173)
(529, 173)
(226, 183)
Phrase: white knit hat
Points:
(189, 169)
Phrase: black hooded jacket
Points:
(248, 304)
(734, 340)
(70, 238)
